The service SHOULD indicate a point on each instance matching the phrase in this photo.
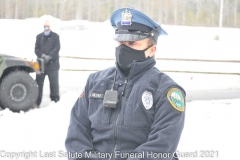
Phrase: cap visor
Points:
(163, 32)
(129, 37)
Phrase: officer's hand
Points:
(47, 58)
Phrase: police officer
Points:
(132, 110)
(47, 46)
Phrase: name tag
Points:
(96, 95)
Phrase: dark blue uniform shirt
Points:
(144, 125)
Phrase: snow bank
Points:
(38, 129)
(210, 126)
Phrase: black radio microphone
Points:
(110, 99)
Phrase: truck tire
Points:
(18, 91)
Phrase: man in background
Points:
(47, 46)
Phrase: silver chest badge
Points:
(147, 99)
(126, 18)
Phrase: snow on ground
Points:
(38, 129)
(211, 129)
(211, 126)
(78, 38)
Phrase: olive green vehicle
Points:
(18, 90)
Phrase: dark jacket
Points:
(49, 45)
(131, 127)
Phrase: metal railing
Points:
(164, 59)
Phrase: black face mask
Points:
(125, 56)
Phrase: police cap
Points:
(133, 25)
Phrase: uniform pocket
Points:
(98, 114)
(139, 108)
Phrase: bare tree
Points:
(16, 10)
(198, 9)
(166, 11)
(61, 10)
(183, 12)
(36, 8)
(159, 11)
(7, 9)
(177, 12)
(235, 13)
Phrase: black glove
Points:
(47, 59)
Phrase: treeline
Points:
(172, 12)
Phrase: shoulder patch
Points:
(175, 97)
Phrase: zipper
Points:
(115, 133)
(116, 123)
(124, 86)
(126, 80)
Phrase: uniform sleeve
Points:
(37, 49)
(167, 127)
(56, 48)
(79, 139)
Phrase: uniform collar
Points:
(138, 67)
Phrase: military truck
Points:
(18, 90)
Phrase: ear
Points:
(152, 51)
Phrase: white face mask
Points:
(46, 28)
